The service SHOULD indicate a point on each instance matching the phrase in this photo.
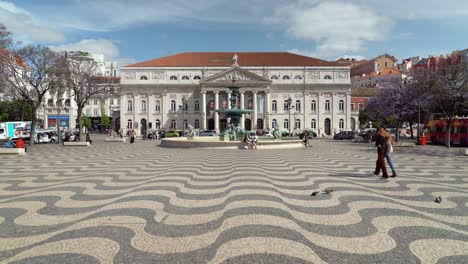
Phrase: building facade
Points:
(63, 110)
(284, 90)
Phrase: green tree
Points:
(15, 110)
(86, 121)
(105, 121)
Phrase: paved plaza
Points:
(139, 203)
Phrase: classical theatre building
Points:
(284, 90)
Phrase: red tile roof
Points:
(386, 71)
(224, 59)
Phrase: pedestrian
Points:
(88, 138)
(380, 143)
(254, 141)
(9, 143)
(305, 138)
(20, 144)
(132, 136)
(388, 154)
(247, 140)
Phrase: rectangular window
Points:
(95, 102)
(352, 107)
(95, 112)
(360, 106)
(112, 101)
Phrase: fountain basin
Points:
(215, 143)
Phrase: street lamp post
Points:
(289, 109)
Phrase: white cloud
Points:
(98, 46)
(334, 27)
(20, 22)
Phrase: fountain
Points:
(232, 136)
(234, 132)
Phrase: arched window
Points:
(173, 124)
(143, 106)
(274, 123)
(185, 124)
(341, 124)
(327, 106)
(286, 106)
(173, 106)
(129, 106)
(197, 106)
(197, 77)
(297, 125)
(197, 124)
(313, 106)
(158, 106)
(327, 77)
(173, 78)
(274, 77)
(158, 124)
(341, 106)
(298, 105)
(143, 78)
(185, 77)
(286, 77)
(298, 77)
(273, 106)
(129, 124)
(313, 124)
(286, 124)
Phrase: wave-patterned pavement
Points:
(138, 203)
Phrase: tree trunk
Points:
(80, 122)
(33, 126)
(411, 129)
(447, 134)
(397, 132)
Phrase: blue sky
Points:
(130, 31)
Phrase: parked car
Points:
(367, 133)
(345, 135)
(172, 133)
(207, 133)
(45, 137)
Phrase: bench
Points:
(117, 139)
(19, 151)
(76, 143)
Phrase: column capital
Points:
(216, 92)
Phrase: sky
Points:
(140, 30)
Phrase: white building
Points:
(94, 108)
(153, 92)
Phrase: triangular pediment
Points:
(241, 76)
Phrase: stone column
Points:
(254, 105)
(150, 108)
(320, 111)
(163, 109)
(135, 115)
(123, 112)
(229, 106)
(203, 110)
(216, 114)
(348, 111)
(334, 113)
(242, 120)
(267, 110)
(306, 110)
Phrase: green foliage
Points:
(105, 121)
(15, 110)
(86, 121)
(363, 117)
